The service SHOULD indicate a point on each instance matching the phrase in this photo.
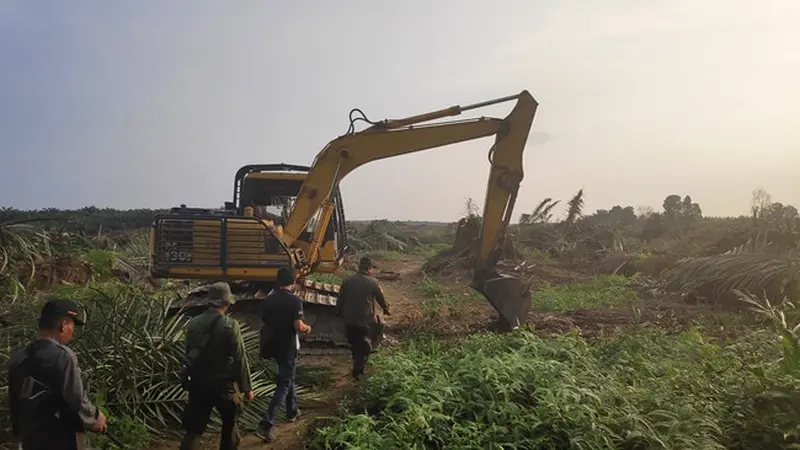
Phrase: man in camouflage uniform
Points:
(356, 307)
(48, 404)
(222, 373)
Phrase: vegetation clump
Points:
(638, 391)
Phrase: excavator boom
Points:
(396, 137)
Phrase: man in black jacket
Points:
(356, 307)
(49, 407)
(282, 316)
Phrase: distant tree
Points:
(617, 217)
(471, 209)
(654, 227)
(777, 211)
(759, 202)
(677, 209)
(623, 216)
(644, 211)
(690, 209)
(672, 206)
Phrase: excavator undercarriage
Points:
(319, 301)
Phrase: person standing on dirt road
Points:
(282, 317)
(49, 407)
(222, 375)
(356, 307)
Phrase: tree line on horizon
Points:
(675, 209)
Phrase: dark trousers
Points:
(360, 347)
(51, 440)
(51, 434)
(285, 391)
(198, 412)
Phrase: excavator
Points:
(289, 215)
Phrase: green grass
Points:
(639, 391)
(326, 278)
(386, 255)
(430, 250)
(436, 300)
(102, 262)
(607, 291)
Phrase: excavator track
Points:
(327, 335)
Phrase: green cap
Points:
(366, 263)
(219, 294)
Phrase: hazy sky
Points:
(157, 103)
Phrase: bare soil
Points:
(42, 275)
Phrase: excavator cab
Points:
(238, 241)
(271, 190)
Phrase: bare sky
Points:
(153, 103)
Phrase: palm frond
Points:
(750, 272)
(575, 209)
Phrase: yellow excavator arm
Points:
(390, 138)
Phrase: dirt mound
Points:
(544, 274)
(586, 322)
(668, 314)
(465, 248)
(460, 258)
(130, 273)
(538, 275)
(548, 323)
(46, 274)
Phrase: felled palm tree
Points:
(754, 267)
(21, 245)
(377, 236)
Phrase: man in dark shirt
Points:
(282, 314)
(222, 371)
(48, 404)
(356, 307)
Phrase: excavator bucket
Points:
(509, 296)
